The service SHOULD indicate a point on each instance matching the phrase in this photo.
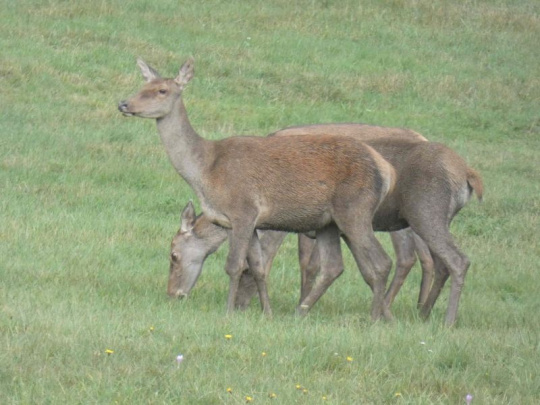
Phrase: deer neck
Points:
(185, 148)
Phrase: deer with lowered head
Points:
(333, 185)
(433, 184)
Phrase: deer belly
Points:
(297, 220)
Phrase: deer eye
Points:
(162, 91)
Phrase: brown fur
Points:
(286, 183)
(364, 132)
(432, 186)
(434, 162)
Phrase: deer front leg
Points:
(239, 241)
(270, 242)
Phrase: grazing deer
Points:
(333, 184)
(197, 238)
(434, 183)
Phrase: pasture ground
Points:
(89, 201)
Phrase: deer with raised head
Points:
(434, 183)
(333, 184)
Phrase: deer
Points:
(197, 238)
(334, 186)
(433, 184)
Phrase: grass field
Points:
(89, 201)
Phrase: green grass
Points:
(89, 201)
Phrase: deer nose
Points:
(177, 294)
(122, 106)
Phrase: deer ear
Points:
(187, 218)
(186, 73)
(148, 73)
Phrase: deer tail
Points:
(475, 182)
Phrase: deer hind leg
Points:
(371, 259)
(403, 242)
(426, 262)
(449, 261)
(256, 266)
(331, 262)
(310, 263)
(441, 275)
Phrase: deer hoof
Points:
(302, 310)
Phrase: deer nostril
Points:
(122, 106)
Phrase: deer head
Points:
(158, 96)
(194, 241)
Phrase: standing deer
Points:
(434, 183)
(333, 184)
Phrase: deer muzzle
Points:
(123, 107)
(177, 294)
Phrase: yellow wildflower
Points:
(298, 387)
(398, 394)
(272, 395)
(263, 354)
(229, 390)
(324, 398)
(228, 336)
(249, 399)
(151, 329)
(349, 358)
(109, 351)
(305, 391)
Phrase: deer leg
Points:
(440, 277)
(270, 242)
(239, 242)
(247, 288)
(371, 259)
(448, 261)
(255, 261)
(403, 243)
(426, 262)
(310, 263)
(329, 249)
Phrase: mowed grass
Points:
(89, 201)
